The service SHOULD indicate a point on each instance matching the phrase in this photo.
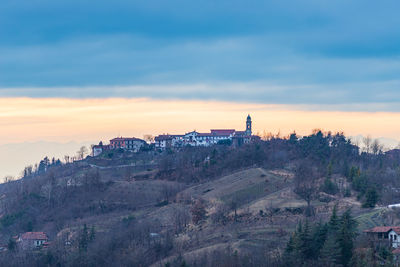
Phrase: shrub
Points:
(371, 198)
(329, 187)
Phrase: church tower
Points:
(248, 125)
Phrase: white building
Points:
(215, 136)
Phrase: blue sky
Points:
(330, 54)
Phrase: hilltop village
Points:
(221, 198)
(194, 138)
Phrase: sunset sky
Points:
(84, 71)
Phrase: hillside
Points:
(148, 208)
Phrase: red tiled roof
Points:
(205, 134)
(166, 137)
(222, 131)
(34, 236)
(396, 251)
(383, 229)
(126, 139)
(163, 137)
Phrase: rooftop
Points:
(126, 139)
(34, 236)
(222, 131)
(383, 229)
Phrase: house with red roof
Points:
(384, 235)
(32, 240)
(127, 143)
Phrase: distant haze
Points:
(14, 157)
(33, 128)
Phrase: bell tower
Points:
(248, 125)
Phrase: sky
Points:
(83, 71)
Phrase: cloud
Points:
(367, 97)
(331, 53)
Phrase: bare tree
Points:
(367, 143)
(28, 170)
(376, 147)
(8, 179)
(181, 218)
(269, 211)
(82, 152)
(148, 138)
(221, 213)
(198, 211)
(305, 184)
(47, 190)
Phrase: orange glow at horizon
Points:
(63, 120)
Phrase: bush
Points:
(371, 198)
(10, 219)
(329, 187)
(347, 192)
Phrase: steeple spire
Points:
(248, 125)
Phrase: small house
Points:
(385, 235)
(32, 240)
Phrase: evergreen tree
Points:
(292, 251)
(12, 245)
(329, 187)
(305, 242)
(330, 243)
(345, 236)
(371, 197)
(333, 224)
(92, 234)
(84, 239)
(290, 246)
(318, 238)
(330, 252)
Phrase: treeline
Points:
(372, 174)
(333, 244)
(323, 244)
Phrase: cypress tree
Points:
(84, 239)
(92, 235)
(333, 224)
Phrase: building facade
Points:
(32, 240)
(194, 138)
(127, 143)
(388, 236)
(215, 136)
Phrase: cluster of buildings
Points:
(194, 138)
